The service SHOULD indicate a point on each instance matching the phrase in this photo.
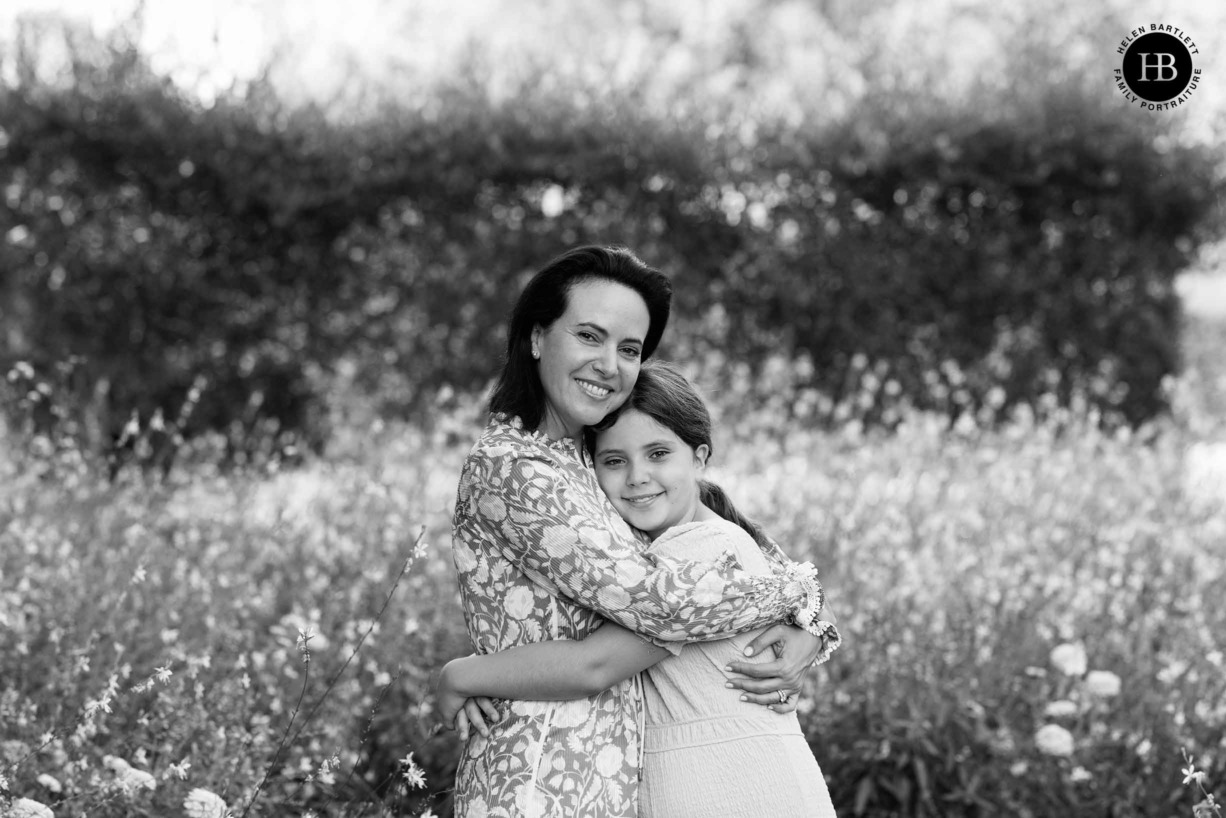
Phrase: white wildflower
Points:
(1054, 740)
(50, 782)
(115, 764)
(414, 776)
(179, 770)
(1079, 774)
(204, 804)
(135, 779)
(27, 808)
(1059, 709)
(1102, 683)
(304, 637)
(1070, 658)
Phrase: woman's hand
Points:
(795, 649)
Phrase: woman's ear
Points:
(701, 454)
(537, 332)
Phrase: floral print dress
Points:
(541, 554)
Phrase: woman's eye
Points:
(631, 352)
(587, 336)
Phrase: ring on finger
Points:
(783, 697)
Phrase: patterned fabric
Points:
(541, 554)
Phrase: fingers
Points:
(758, 670)
(475, 717)
(461, 724)
(488, 709)
(765, 639)
(764, 686)
(770, 699)
(788, 706)
(783, 700)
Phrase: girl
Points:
(706, 751)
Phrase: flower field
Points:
(1033, 617)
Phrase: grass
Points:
(161, 627)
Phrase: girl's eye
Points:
(659, 453)
(612, 463)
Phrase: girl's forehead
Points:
(635, 426)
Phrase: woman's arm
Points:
(556, 670)
(530, 509)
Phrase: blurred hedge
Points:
(952, 257)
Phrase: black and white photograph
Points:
(612, 409)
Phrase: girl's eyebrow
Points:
(655, 444)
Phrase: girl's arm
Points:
(557, 670)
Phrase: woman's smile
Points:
(594, 390)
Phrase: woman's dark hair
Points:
(667, 397)
(519, 391)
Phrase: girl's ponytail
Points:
(714, 498)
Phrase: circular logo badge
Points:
(1157, 66)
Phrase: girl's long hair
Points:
(667, 397)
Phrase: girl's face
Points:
(650, 475)
(590, 357)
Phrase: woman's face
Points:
(589, 358)
(650, 475)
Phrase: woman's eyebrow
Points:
(605, 332)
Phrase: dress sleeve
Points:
(542, 528)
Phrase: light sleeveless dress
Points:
(705, 752)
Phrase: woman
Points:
(541, 554)
(706, 752)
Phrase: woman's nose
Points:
(606, 363)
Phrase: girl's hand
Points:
(795, 649)
(475, 713)
(457, 710)
(448, 701)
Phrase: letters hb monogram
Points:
(1163, 63)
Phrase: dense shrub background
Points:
(964, 255)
